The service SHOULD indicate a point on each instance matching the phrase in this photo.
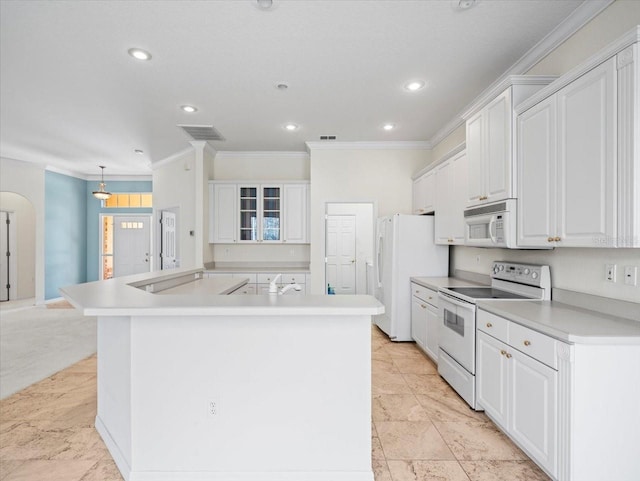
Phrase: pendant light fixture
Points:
(101, 193)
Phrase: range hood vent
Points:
(202, 132)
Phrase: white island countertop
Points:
(128, 296)
(566, 322)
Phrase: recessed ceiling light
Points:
(291, 127)
(466, 4)
(415, 85)
(265, 4)
(389, 126)
(189, 108)
(139, 152)
(139, 54)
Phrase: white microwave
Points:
(491, 225)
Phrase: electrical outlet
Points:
(610, 272)
(630, 275)
(213, 408)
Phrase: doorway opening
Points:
(17, 247)
(349, 241)
(125, 245)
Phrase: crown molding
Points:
(121, 178)
(614, 48)
(171, 158)
(266, 154)
(578, 19)
(453, 152)
(397, 145)
(67, 172)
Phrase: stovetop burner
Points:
(486, 293)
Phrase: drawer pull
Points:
(527, 343)
(423, 306)
(489, 324)
(549, 239)
(430, 298)
(508, 355)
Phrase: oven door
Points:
(458, 330)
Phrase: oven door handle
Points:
(456, 302)
(492, 228)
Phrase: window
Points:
(128, 200)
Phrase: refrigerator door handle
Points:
(379, 259)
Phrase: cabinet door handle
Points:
(549, 239)
(527, 343)
(489, 324)
(508, 355)
(430, 298)
(423, 306)
(557, 239)
(503, 352)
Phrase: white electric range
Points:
(457, 334)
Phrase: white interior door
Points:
(168, 239)
(341, 253)
(131, 245)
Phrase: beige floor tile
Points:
(48, 470)
(383, 365)
(28, 406)
(83, 443)
(376, 449)
(103, 470)
(388, 383)
(29, 440)
(503, 471)
(380, 470)
(62, 383)
(397, 407)
(426, 471)
(431, 384)
(473, 441)
(412, 440)
(415, 365)
(7, 467)
(449, 408)
(403, 349)
(88, 365)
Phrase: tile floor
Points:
(421, 429)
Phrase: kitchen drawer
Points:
(493, 325)
(266, 277)
(252, 276)
(534, 344)
(425, 294)
(292, 278)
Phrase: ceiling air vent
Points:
(327, 137)
(202, 132)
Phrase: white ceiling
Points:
(72, 97)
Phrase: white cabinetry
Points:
(567, 165)
(519, 395)
(258, 212)
(258, 282)
(578, 155)
(424, 193)
(295, 214)
(451, 188)
(490, 132)
(424, 319)
(222, 213)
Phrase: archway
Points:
(20, 267)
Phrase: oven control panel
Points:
(529, 274)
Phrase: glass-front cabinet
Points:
(260, 213)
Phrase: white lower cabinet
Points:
(518, 392)
(424, 319)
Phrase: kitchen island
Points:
(199, 386)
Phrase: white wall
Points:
(25, 247)
(358, 175)
(574, 269)
(174, 186)
(27, 180)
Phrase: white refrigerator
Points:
(405, 248)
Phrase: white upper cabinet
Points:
(424, 193)
(578, 154)
(258, 212)
(222, 213)
(490, 134)
(451, 188)
(295, 213)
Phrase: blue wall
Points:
(65, 235)
(94, 210)
(72, 228)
